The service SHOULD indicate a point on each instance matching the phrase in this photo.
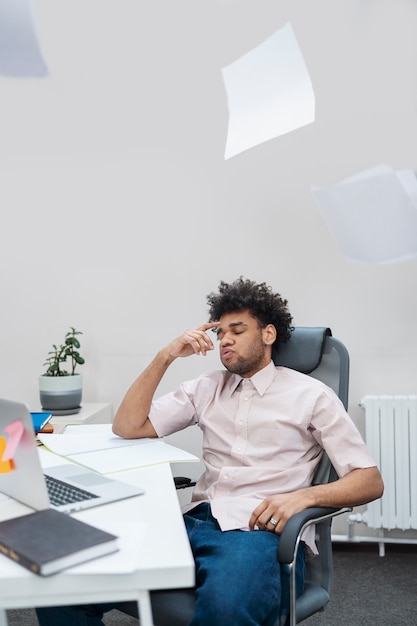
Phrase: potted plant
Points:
(60, 387)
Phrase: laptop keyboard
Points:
(63, 493)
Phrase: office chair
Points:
(316, 353)
(313, 351)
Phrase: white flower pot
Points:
(61, 395)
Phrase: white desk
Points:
(165, 559)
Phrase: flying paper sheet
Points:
(20, 55)
(269, 93)
(373, 215)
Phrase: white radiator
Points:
(391, 436)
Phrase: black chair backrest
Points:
(314, 351)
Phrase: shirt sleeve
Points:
(177, 410)
(335, 431)
(182, 408)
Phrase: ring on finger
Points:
(273, 521)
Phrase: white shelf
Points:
(91, 413)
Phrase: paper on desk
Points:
(106, 452)
(86, 429)
(372, 215)
(269, 93)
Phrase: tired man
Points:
(264, 432)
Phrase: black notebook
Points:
(46, 542)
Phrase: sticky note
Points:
(5, 466)
(14, 431)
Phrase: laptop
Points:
(66, 488)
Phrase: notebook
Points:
(22, 476)
(40, 419)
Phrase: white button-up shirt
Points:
(261, 436)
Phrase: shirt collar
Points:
(261, 380)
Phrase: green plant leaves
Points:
(60, 354)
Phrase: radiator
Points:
(391, 436)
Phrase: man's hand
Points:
(274, 512)
(193, 341)
(131, 419)
(360, 486)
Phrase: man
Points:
(264, 430)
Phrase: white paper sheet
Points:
(106, 453)
(20, 53)
(372, 215)
(269, 93)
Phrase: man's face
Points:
(244, 346)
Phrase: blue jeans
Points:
(239, 580)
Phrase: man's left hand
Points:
(274, 512)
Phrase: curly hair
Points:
(257, 298)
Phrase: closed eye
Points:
(235, 331)
(235, 327)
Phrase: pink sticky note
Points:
(15, 431)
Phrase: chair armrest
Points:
(182, 482)
(296, 524)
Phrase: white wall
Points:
(119, 213)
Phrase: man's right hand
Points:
(131, 419)
(193, 341)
